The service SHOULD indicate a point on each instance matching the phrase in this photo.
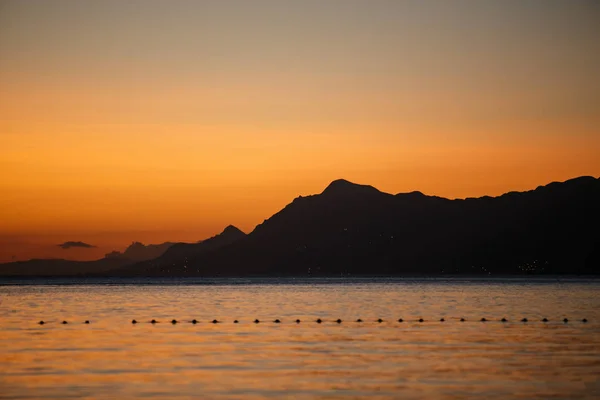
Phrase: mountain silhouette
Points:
(352, 229)
(140, 252)
(59, 267)
(180, 253)
(344, 188)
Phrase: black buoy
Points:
(297, 321)
(524, 320)
(545, 320)
(339, 321)
(359, 320)
(133, 321)
(65, 322)
(277, 321)
(442, 319)
(153, 321)
(462, 320)
(503, 320)
(214, 321)
(256, 321)
(584, 320)
(380, 320)
(319, 321)
(420, 319)
(483, 319)
(400, 320)
(86, 322)
(565, 320)
(174, 321)
(194, 321)
(41, 322)
(236, 321)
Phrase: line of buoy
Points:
(319, 321)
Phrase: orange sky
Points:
(158, 121)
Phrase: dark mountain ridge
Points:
(180, 253)
(352, 229)
(134, 253)
(138, 251)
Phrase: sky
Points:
(165, 120)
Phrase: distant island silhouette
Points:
(356, 230)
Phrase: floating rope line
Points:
(318, 321)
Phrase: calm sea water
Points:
(112, 358)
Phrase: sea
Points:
(336, 338)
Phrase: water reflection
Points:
(113, 358)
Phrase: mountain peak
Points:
(232, 230)
(344, 187)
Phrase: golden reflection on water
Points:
(111, 358)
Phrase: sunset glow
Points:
(167, 121)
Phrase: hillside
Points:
(352, 229)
